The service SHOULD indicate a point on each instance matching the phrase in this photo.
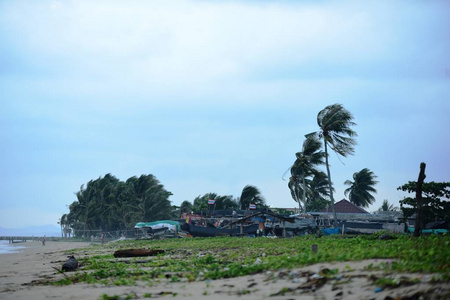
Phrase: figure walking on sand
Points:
(43, 241)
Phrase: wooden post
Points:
(418, 224)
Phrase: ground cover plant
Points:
(190, 259)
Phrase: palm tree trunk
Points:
(329, 181)
(304, 193)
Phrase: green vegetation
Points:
(360, 189)
(386, 206)
(187, 260)
(110, 204)
(251, 195)
(304, 174)
(435, 198)
(335, 124)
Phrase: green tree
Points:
(109, 204)
(386, 206)
(435, 197)
(335, 129)
(251, 195)
(360, 189)
(221, 202)
(304, 168)
(150, 199)
(186, 206)
(318, 193)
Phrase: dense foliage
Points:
(360, 189)
(251, 195)
(435, 198)
(109, 204)
(221, 202)
(304, 171)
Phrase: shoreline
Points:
(21, 272)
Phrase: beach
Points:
(22, 275)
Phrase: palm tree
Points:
(386, 206)
(186, 206)
(303, 168)
(334, 122)
(361, 187)
(319, 193)
(251, 195)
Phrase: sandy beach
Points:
(21, 273)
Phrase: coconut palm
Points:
(386, 206)
(304, 167)
(251, 195)
(360, 189)
(186, 206)
(318, 192)
(334, 122)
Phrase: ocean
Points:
(6, 247)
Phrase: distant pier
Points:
(22, 239)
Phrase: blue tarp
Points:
(328, 231)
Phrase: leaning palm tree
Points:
(251, 195)
(319, 192)
(304, 167)
(335, 122)
(361, 187)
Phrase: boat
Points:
(199, 231)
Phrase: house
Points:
(354, 219)
(345, 207)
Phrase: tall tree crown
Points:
(335, 123)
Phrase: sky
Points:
(210, 96)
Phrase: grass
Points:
(190, 259)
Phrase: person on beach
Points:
(43, 241)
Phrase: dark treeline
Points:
(109, 204)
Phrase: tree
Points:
(251, 195)
(110, 204)
(221, 202)
(319, 193)
(304, 167)
(359, 192)
(435, 201)
(334, 122)
(186, 206)
(386, 206)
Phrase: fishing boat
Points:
(199, 231)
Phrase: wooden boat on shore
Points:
(198, 231)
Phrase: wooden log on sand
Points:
(137, 252)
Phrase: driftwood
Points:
(70, 265)
(137, 252)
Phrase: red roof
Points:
(345, 207)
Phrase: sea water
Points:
(6, 247)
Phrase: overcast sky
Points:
(209, 96)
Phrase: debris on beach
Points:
(137, 252)
(70, 265)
